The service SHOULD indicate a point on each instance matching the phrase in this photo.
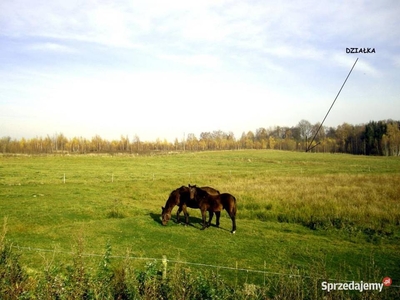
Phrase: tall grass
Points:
(354, 203)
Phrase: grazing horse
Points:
(214, 203)
(181, 197)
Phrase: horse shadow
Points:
(193, 221)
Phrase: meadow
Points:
(302, 217)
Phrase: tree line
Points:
(373, 138)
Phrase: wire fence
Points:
(98, 176)
(165, 260)
(78, 176)
(30, 249)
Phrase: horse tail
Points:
(231, 206)
(234, 206)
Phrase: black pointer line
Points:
(309, 146)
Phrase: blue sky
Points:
(162, 69)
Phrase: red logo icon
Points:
(387, 281)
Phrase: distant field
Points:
(337, 216)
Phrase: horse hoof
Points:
(233, 232)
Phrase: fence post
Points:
(236, 281)
(265, 266)
(164, 271)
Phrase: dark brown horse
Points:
(214, 203)
(181, 197)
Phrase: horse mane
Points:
(174, 196)
(202, 193)
(183, 189)
(209, 190)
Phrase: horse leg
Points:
(218, 214)
(232, 213)
(210, 218)
(233, 217)
(177, 214)
(203, 215)
(186, 214)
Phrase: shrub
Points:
(14, 282)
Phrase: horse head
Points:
(166, 215)
(192, 190)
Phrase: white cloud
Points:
(396, 60)
(52, 47)
(196, 60)
(281, 29)
(362, 65)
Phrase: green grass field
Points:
(322, 215)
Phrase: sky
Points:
(164, 69)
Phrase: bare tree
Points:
(4, 143)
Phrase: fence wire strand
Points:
(291, 275)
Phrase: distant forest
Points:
(374, 138)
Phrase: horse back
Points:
(210, 190)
